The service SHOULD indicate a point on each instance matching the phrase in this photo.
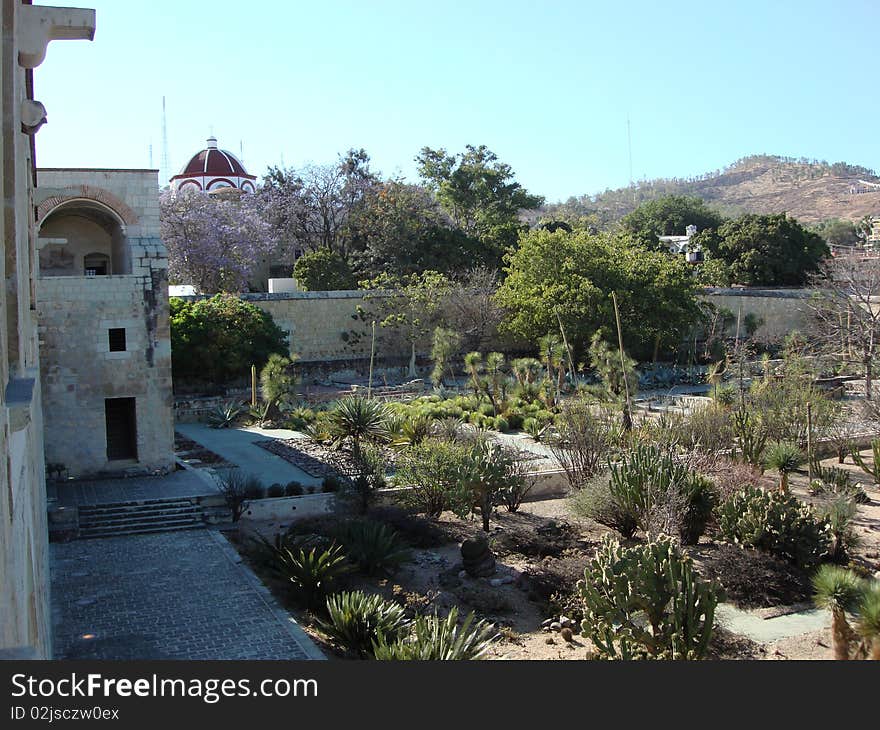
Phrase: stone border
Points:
(297, 633)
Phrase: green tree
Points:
(575, 273)
(323, 270)
(218, 339)
(479, 193)
(837, 232)
(669, 216)
(765, 250)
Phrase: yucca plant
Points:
(869, 618)
(412, 431)
(224, 415)
(374, 547)
(358, 621)
(360, 419)
(842, 538)
(311, 574)
(434, 639)
(473, 364)
(784, 458)
(840, 591)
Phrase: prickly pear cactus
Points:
(645, 602)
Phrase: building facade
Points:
(102, 294)
(25, 625)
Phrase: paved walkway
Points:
(187, 483)
(764, 630)
(237, 446)
(175, 595)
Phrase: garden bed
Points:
(196, 455)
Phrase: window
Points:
(117, 339)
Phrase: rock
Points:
(462, 574)
(549, 640)
(450, 579)
(546, 623)
(477, 557)
(555, 626)
(566, 634)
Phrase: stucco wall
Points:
(782, 310)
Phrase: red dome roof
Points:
(213, 161)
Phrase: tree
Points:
(407, 306)
(218, 339)
(317, 206)
(846, 313)
(403, 230)
(446, 344)
(669, 216)
(765, 250)
(323, 270)
(469, 307)
(839, 233)
(573, 274)
(214, 243)
(479, 192)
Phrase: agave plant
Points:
(224, 415)
(839, 590)
(432, 638)
(785, 458)
(311, 574)
(359, 621)
(373, 546)
(359, 419)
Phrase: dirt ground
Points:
(561, 547)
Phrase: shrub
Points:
(218, 339)
(582, 442)
(502, 425)
(323, 270)
(278, 378)
(275, 490)
(237, 490)
(595, 501)
(331, 484)
(432, 638)
(375, 548)
(311, 575)
(433, 472)
(646, 602)
(359, 419)
(836, 482)
(371, 467)
(775, 522)
(293, 489)
(358, 621)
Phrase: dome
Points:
(213, 169)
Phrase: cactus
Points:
(874, 469)
(752, 437)
(645, 602)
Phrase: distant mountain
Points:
(809, 190)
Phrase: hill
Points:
(809, 190)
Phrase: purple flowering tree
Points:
(216, 243)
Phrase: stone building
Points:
(105, 344)
(25, 625)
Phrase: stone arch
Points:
(87, 193)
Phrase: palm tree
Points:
(785, 458)
(360, 419)
(839, 590)
(869, 617)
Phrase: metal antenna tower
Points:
(164, 174)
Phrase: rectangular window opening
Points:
(117, 339)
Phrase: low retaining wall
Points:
(290, 508)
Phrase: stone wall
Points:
(782, 310)
(324, 326)
(25, 615)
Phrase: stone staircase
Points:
(134, 518)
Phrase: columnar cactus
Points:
(645, 602)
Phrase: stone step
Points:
(126, 512)
(134, 504)
(98, 533)
(142, 519)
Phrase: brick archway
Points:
(88, 193)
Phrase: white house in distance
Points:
(213, 169)
(682, 245)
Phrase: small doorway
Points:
(121, 421)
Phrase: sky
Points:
(549, 86)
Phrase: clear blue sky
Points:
(546, 85)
